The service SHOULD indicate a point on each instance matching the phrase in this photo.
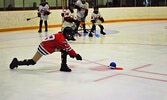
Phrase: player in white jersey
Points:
(82, 11)
(69, 18)
(43, 12)
(96, 19)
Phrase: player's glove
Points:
(46, 13)
(78, 57)
(62, 14)
(101, 19)
(39, 15)
(93, 21)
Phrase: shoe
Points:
(103, 33)
(14, 63)
(46, 30)
(65, 68)
(39, 31)
(90, 34)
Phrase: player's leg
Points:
(77, 26)
(64, 66)
(92, 29)
(15, 63)
(46, 26)
(40, 26)
(84, 26)
(101, 29)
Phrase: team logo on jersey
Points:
(64, 41)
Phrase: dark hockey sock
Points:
(64, 66)
(93, 28)
(46, 26)
(40, 25)
(27, 62)
(64, 58)
(77, 25)
(101, 28)
(84, 28)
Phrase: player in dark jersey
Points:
(56, 42)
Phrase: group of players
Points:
(58, 42)
(69, 19)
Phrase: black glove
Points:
(78, 57)
(46, 13)
(93, 21)
(101, 19)
(39, 15)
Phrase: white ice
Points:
(139, 47)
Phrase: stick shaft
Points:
(117, 68)
(94, 62)
(34, 17)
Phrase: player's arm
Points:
(86, 10)
(101, 18)
(93, 20)
(71, 52)
(39, 11)
(68, 18)
(77, 6)
(47, 12)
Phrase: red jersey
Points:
(53, 42)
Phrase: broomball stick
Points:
(97, 35)
(28, 19)
(112, 64)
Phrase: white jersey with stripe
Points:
(83, 7)
(42, 10)
(68, 13)
(96, 18)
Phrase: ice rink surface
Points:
(139, 47)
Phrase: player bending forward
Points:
(56, 42)
(96, 19)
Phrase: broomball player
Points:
(96, 19)
(43, 12)
(69, 18)
(82, 11)
(53, 43)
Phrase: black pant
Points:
(94, 28)
(40, 25)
